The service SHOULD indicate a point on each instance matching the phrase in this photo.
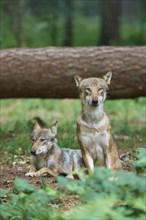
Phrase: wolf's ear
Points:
(37, 126)
(54, 128)
(78, 80)
(107, 77)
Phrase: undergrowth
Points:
(104, 195)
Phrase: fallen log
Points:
(49, 72)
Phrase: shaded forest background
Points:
(35, 23)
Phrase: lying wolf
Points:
(48, 157)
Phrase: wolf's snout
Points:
(94, 102)
(33, 152)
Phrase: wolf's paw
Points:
(118, 165)
(30, 174)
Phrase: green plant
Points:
(108, 195)
(30, 203)
(140, 164)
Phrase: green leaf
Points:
(24, 186)
(3, 192)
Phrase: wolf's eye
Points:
(32, 139)
(88, 89)
(42, 139)
(100, 89)
(52, 139)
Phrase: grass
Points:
(127, 119)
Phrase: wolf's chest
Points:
(52, 162)
(94, 138)
(95, 143)
(40, 164)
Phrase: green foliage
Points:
(43, 24)
(108, 195)
(133, 33)
(86, 25)
(30, 203)
(140, 164)
(104, 194)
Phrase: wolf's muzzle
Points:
(33, 152)
(94, 102)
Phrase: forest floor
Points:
(11, 170)
(18, 116)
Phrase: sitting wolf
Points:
(48, 157)
(93, 128)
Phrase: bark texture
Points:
(49, 72)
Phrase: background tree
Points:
(15, 10)
(68, 30)
(45, 23)
(110, 22)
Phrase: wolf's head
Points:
(43, 139)
(93, 90)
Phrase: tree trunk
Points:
(53, 31)
(68, 37)
(16, 12)
(110, 18)
(49, 72)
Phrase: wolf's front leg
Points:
(31, 171)
(113, 161)
(89, 163)
(45, 170)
